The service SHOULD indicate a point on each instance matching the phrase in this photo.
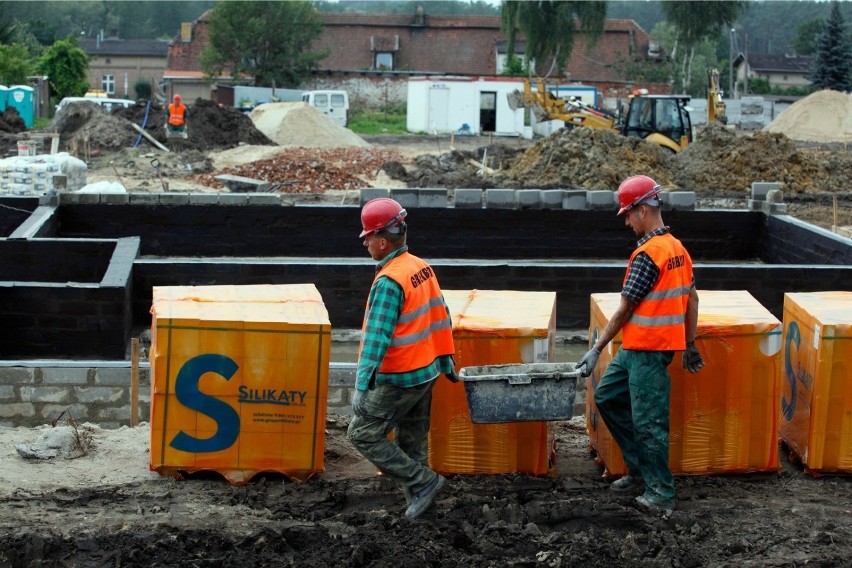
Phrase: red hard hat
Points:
(380, 213)
(635, 190)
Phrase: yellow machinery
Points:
(716, 109)
(660, 119)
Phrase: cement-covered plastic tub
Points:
(520, 392)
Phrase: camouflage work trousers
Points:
(407, 413)
(633, 400)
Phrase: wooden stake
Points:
(134, 382)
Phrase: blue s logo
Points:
(186, 390)
(794, 336)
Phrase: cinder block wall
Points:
(33, 395)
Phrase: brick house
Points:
(115, 65)
(373, 55)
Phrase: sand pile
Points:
(824, 116)
(299, 124)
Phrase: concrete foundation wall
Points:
(446, 232)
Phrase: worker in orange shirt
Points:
(176, 115)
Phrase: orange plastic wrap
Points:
(816, 381)
(493, 327)
(723, 419)
(239, 380)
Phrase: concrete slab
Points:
(240, 184)
(496, 198)
(467, 198)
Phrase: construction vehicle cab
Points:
(660, 119)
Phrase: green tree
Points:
(833, 63)
(805, 42)
(696, 22)
(550, 28)
(14, 65)
(66, 67)
(267, 40)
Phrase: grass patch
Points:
(40, 123)
(371, 122)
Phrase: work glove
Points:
(589, 362)
(452, 376)
(359, 402)
(692, 359)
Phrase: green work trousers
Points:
(406, 412)
(633, 400)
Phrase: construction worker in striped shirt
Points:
(657, 315)
(406, 345)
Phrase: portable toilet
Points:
(4, 92)
(22, 97)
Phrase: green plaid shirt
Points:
(386, 299)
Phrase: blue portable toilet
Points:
(4, 90)
(22, 98)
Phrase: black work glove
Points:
(589, 362)
(692, 359)
(452, 376)
(359, 402)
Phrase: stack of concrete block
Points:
(751, 113)
(41, 174)
(767, 196)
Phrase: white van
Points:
(333, 104)
(108, 104)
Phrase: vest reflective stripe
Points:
(424, 329)
(421, 335)
(176, 113)
(657, 323)
(673, 293)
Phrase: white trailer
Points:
(463, 105)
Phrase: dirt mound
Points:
(589, 159)
(208, 126)
(86, 127)
(299, 124)
(11, 121)
(824, 116)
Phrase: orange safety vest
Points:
(176, 114)
(657, 323)
(424, 329)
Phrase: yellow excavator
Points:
(716, 109)
(660, 119)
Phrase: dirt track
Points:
(348, 516)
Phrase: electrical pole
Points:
(731, 66)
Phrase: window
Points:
(383, 60)
(108, 84)
(337, 101)
(320, 100)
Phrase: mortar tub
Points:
(520, 392)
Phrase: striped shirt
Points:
(385, 301)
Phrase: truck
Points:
(659, 119)
(333, 104)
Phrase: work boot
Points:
(627, 482)
(655, 504)
(420, 501)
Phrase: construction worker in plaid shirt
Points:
(406, 344)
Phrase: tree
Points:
(805, 42)
(833, 63)
(695, 22)
(550, 28)
(66, 66)
(14, 65)
(267, 40)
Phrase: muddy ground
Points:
(349, 516)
